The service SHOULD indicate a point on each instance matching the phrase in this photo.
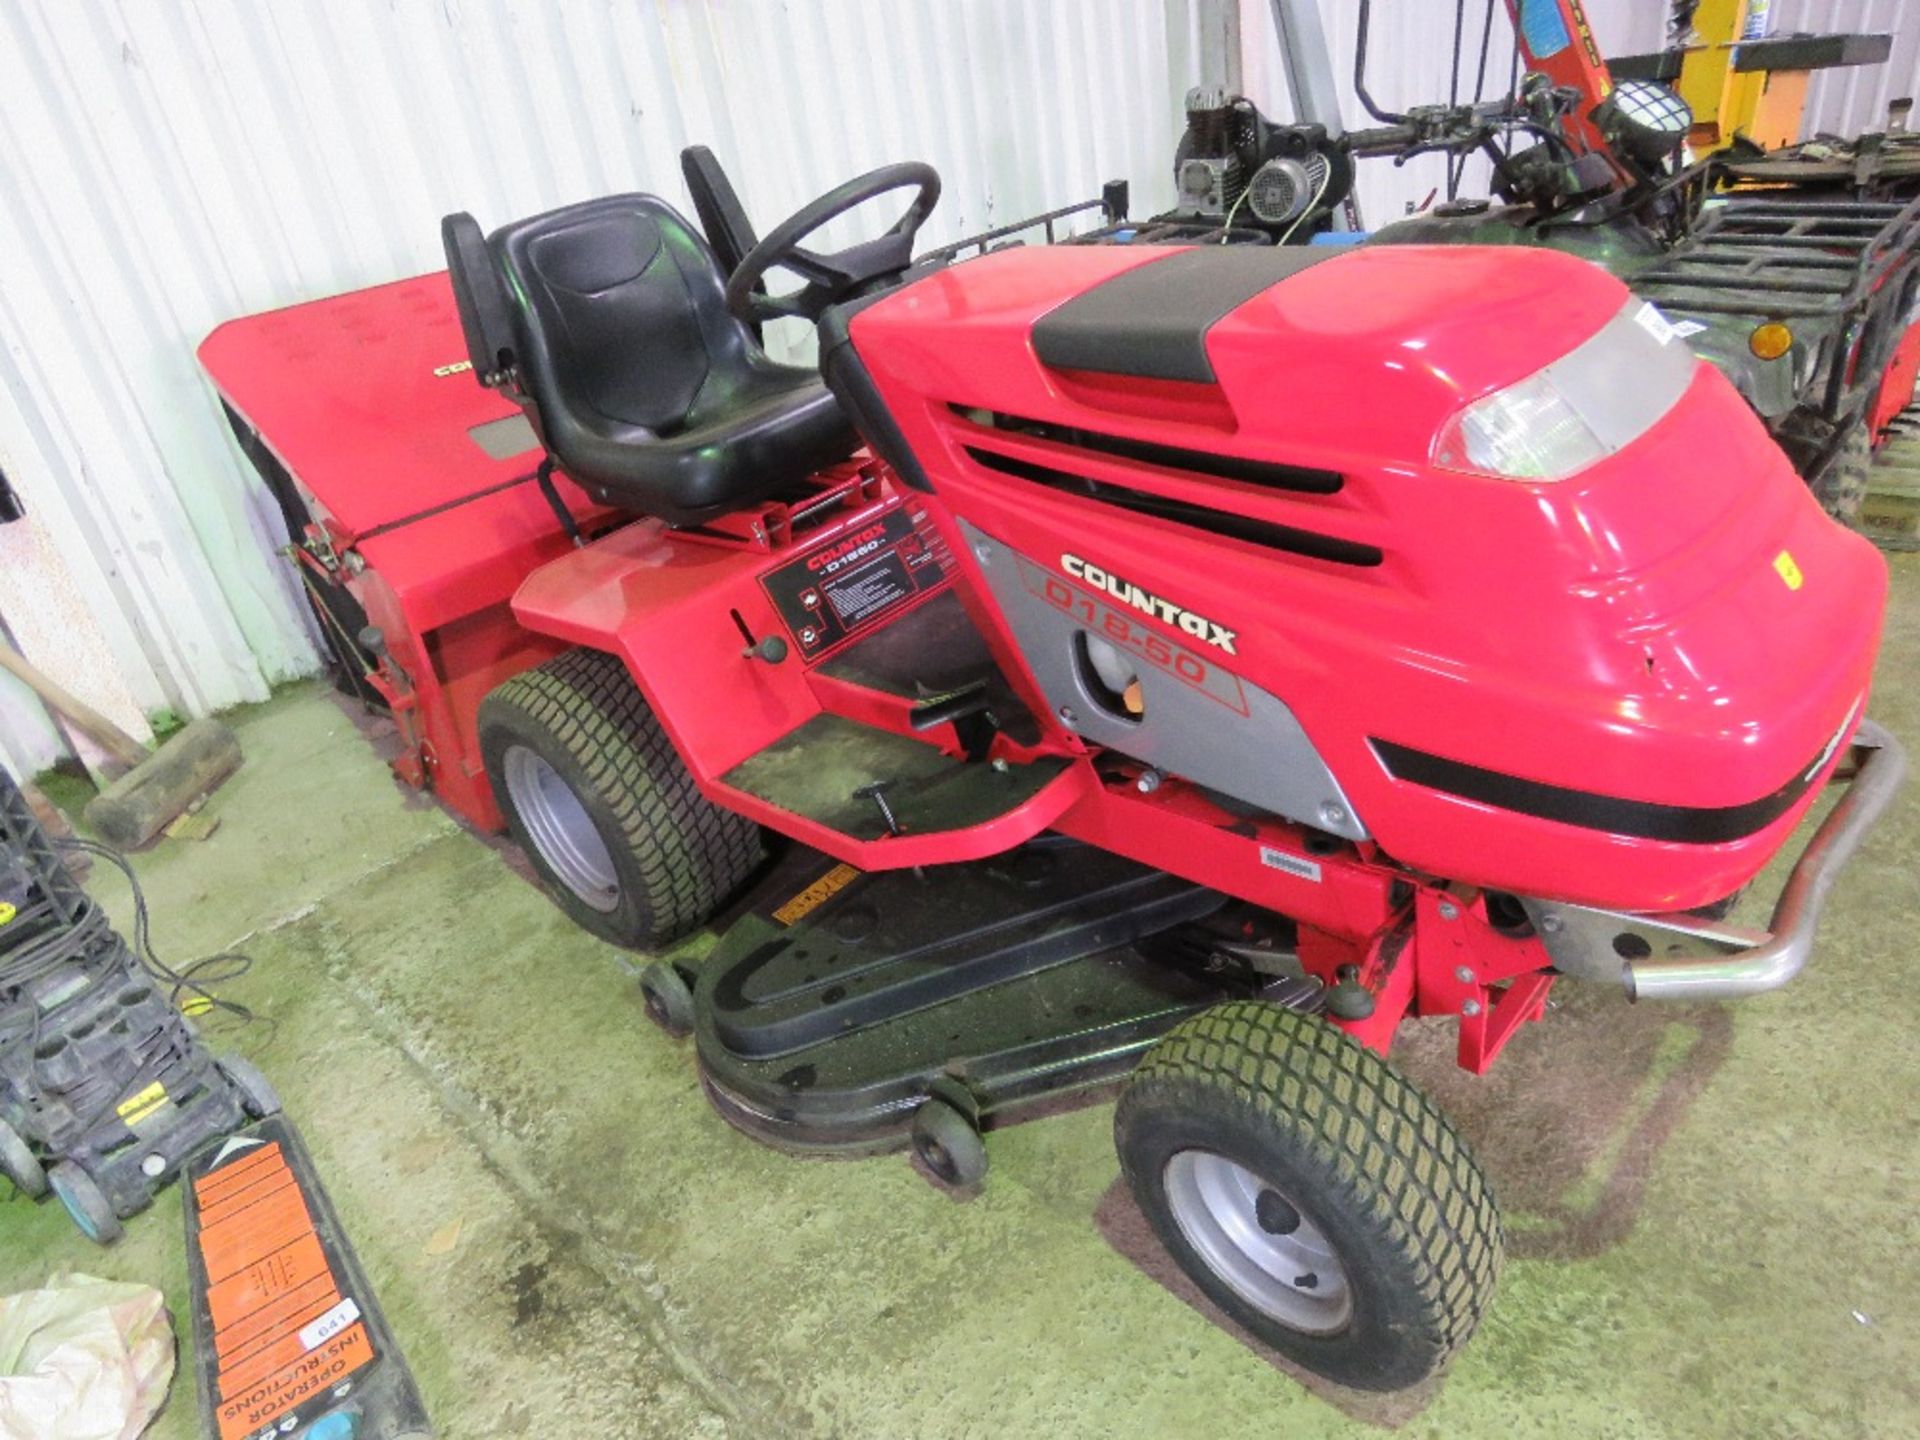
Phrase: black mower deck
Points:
(828, 1014)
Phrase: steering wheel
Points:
(832, 277)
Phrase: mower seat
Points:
(609, 319)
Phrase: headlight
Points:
(1585, 406)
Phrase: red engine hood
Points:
(1632, 632)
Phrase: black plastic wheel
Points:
(669, 998)
(85, 1202)
(949, 1144)
(18, 1164)
(603, 805)
(1311, 1192)
(257, 1095)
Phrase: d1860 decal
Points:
(840, 589)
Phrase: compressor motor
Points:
(1233, 164)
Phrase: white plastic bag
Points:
(83, 1359)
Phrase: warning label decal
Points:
(816, 894)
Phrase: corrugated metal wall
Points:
(1847, 102)
(168, 166)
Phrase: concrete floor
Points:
(1713, 1208)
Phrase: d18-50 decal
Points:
(1127, 632)
(1182, 711)
(841, 588)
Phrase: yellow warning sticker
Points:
(136, 1108)
(7, 911)
(816, 894)
(1789, 571)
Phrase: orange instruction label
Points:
(282, 1331)
(320, 1369)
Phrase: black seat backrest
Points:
(607, 322)
(628, 313)
(722, 216)
(486, 310)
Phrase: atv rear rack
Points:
(1784, 257)
(1679, 957)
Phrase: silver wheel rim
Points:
(560, 829)
(1259, 1242)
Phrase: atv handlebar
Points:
(1674, 957)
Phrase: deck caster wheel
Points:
(85, 1202)
(18, 1164)
(257, 1095)
(1311, 1192)
(669, 998)
(949, 1145)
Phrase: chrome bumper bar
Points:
(1679, 957)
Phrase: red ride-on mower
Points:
(1178, 661)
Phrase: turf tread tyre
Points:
(1842, 487)
(1380, 1150)
(679, 855)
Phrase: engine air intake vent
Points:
(1274, 536)
(1299, 479)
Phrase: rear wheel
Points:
(604, 807)
(1311, 1192)
(257, 1095)
(18, 1164)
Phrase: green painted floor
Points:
(1715, 1210)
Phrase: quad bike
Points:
(1177, 664)
(1795, 272)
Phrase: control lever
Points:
(968, 709)
(877, 792)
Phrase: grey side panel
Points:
(1202, 722)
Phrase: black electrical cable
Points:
(1479, 77)
(1486, 50)
(195, 980)
(1454, 164)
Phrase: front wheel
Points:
(87, 1204)
(603, 805)
(1842, 486)
(1311, 1192)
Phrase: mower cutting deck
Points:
(1187, 662)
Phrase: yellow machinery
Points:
(1740, 80)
